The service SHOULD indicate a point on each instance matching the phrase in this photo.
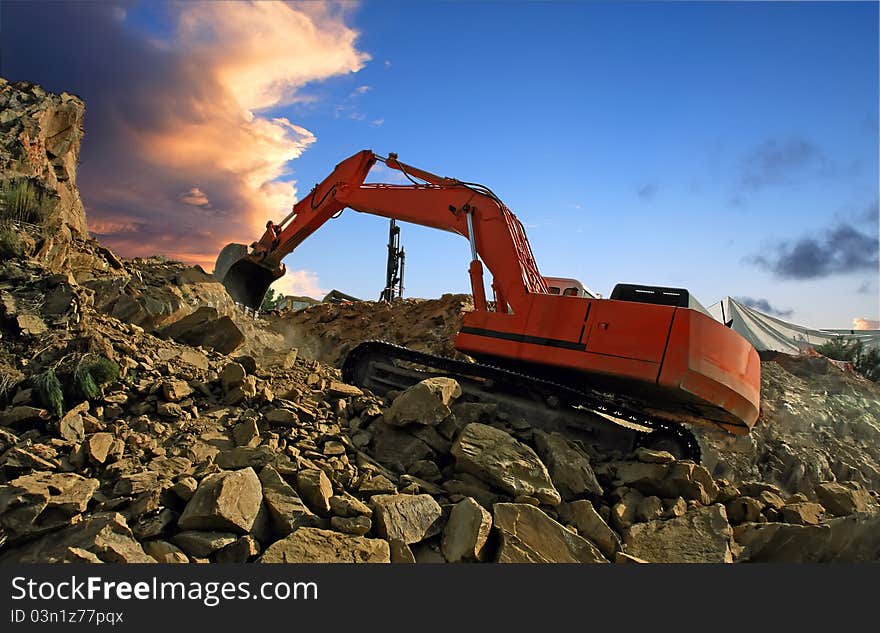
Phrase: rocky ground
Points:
(144, 418)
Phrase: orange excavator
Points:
(637, 368)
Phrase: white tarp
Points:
(768, 333)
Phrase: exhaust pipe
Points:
(244, 276)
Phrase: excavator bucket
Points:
(246, 279)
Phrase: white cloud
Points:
(300, 283)
(866, 324)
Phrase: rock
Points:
(313, 545)
(165, 552)
(105, 534)
(426, 402)
(647, 456)
(193, 357)
(744, 510)
(201, 544)
(244, 457)
(400, 552)
(677, 479)
(205, 328)
(332, 448)
(241, 551)
(43, 501)
(500, 460)
(409, 518)
(316, 490)
(176, 390)
(649, 509)
(238, 394)
(568, 464)
(702, 535)
(591, 526)
(286, 510)
(98, 446)
(397, 449)
(530, 536)
(185, 488)
(246, 433)
(802, 513)
(345, 505)
(232, 376)
(843, 498)
(169, 410)
(358, 525)
(466, 532)
(282, 417)
(71, 425)
(20, 414)
(622, 557)
(623, 513)
(227, 501)
(341, 390)
(31, 324)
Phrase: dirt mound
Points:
(328, 331)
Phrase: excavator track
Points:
(599, 417)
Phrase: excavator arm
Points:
(496, 236)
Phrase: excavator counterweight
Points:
(646, 349)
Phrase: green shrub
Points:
(23, 202)
(92, 374)
(47, 388)
(864, 361)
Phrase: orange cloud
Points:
(865, 324)
(195, 197)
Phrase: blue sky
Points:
(729, 148)
(621, 135)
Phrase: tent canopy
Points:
(767, 333)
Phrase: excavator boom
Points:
(653, 344)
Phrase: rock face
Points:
(408, 518)
(40, 145)
(425, 403)
(287, 512)
(498, 459)
(703, 535)
(312, 545)
(225, 501)
(530, 536)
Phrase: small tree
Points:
(864, 361)
(271, 301)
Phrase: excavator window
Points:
(554, 290)
(570, 292)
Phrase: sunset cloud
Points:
(300, 283)
(865, 324)
(163, 114)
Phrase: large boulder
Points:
(530, 536)
(568, 464)
(206, 328)
(43, 501)
(842, 498)
(466, 532)
(313, 545)
(850, 539)
(287, 512)
(426, 402)
(702, 535)
(105, 535)
(502, 461)
(227, 501)
(408, 518)
(591, 526)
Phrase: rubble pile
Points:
(328, 331)
(143, 418)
